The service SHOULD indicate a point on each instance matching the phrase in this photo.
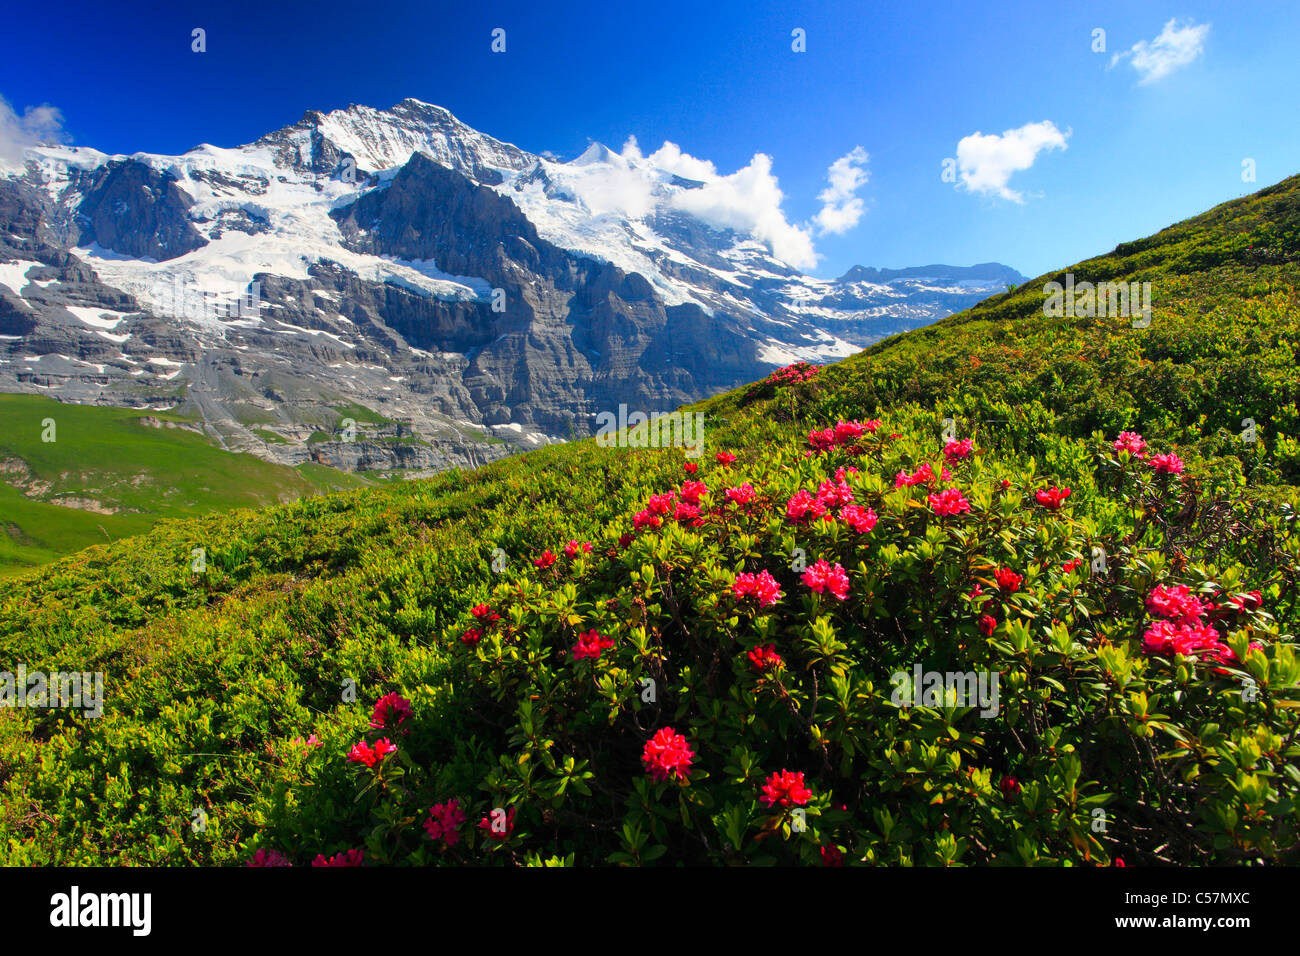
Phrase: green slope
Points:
(212, 677)
(121, 476)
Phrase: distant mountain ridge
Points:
(473, 293)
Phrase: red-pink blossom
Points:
(831, 855)
(823, 440)
(1176, 603)
(955, 450)
(950, 501)
(785, 789)
(741, 495)
(803, 507)
(1052, 498)
(346, 858)
(693, 491)
(390, 711)
(825, 577)
(371, 755)
(1131, 442)
(444, 822)
(725, 458)
(667, 754)
(761, 586)
(765, 658)
(1008, 581)
(858, 518)
(269, 858)
(504, 824)
(833, 495)
(1167, 464)
(846, 433)
(590, 645)
(573, 547)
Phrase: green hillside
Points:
(107, 475)
(718, 680)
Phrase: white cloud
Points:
(841, 208)
(632, 184)
(1175, 47)
(38, 124)
(670, 158)
(986, 163)
(749, 201)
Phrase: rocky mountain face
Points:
(391, 289)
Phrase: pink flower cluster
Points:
(390, 711)
(950, 501)
(346, 858)
(1135, 445)
(483, 616)
(1177, 604)
(761, 586)
(1052, 498)
(666, 755)
(804, 507)
(656, 508)
(922, 476)
(269, 858)
(1182, 629)
(765, 658)
(741, 495)
(785, 789)
(956, 451)
(444, 822)
(591, 644)
(842, 435)
(1131, 442)
(793, 374)
(825, 577)
(499, 831)
(1167, 464)
(573, 547)
(371, 756)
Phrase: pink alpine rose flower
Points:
(1131, 442)
(590, 645)
(950, 501)
(765, 658)
(390, 711)
(346, 858)
(1167, 464)
(785, 789)
(666, 755)
(858, 518)
(761, 586)
(741, 495)
(825, 577)
(1052, 498)
(956, 451)
(369, 755)
(269, 858)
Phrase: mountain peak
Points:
(984, 272)
(595, 154)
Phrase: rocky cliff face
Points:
(390, 289)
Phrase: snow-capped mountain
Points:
(452, 294)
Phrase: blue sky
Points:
(1117, 149)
